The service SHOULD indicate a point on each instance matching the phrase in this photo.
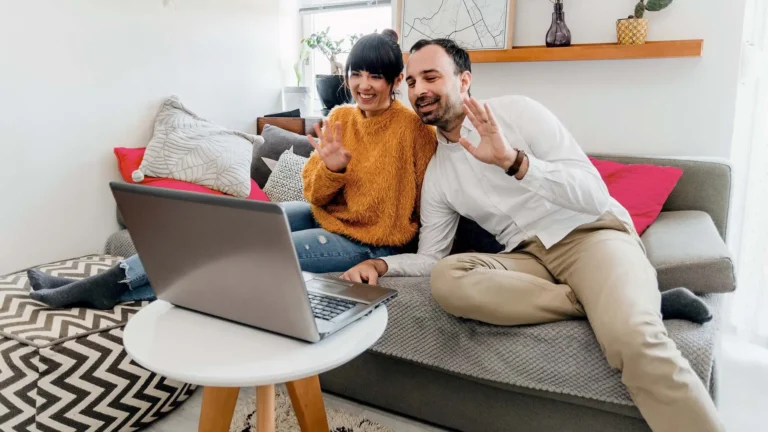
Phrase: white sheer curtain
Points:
(749, 306)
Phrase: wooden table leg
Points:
(265, 408)
(218, 408)
(307, 401)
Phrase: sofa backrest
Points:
(705, 186)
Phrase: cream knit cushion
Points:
(286, 184)
(190, 148)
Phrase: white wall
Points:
(79, 77)
(682, 107)
(290, 38)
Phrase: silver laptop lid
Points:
(223, 256)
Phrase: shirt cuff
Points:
(394, 265)
(537, 170)
(408, 265)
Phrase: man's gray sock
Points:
(44, 281)
(681, 303)
(101, 291)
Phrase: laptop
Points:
(234, 259)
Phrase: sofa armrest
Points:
(687, 251)
(704, 186)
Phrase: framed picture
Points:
(474, 24)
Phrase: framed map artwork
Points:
(473, 24)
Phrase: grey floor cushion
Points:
(562, 357)
(67, 370)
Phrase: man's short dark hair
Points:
(458, 54)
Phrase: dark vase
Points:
(558, 35)
(332, 91)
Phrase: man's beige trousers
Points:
(599, 270)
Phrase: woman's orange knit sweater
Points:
(375, 200)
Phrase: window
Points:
(343, 23)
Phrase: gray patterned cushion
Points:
(187, 147)
(66, 369)
(276, 142)
(285, 183)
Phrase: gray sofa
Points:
(473, 377)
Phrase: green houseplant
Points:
(331, 87)
(634, 30)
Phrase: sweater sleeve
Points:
(321, 185)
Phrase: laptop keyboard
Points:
(328, 308)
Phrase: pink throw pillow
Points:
(642, 189)
(129, 159)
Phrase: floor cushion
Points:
(67, 370)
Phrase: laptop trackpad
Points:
(328, 287)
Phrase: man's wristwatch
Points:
(513, 170)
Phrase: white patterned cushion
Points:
(189, 148)
(67, 370)
(285, 184)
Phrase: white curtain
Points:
(749, 306)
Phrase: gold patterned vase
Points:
(632, 31)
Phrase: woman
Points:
(362, 183)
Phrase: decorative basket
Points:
(632, 31)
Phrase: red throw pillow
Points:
(641, 189)
(129, 159)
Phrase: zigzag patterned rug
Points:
(244, 419)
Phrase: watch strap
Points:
(515, 168)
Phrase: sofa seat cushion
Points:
(66, 369)
(561, 357)
(687, 251)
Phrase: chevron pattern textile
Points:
(67, 370)
(189, 148)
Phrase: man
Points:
(570, 250)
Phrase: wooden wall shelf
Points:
(660, 49)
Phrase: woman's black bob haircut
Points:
(377, 54)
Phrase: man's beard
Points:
(444, 116)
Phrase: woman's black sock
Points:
(44, 281)
(102, 291)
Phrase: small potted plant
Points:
(331, 87)
(298, 96)
(634, 30)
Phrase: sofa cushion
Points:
(642, 189)
(687, 251)
(129, 159)
(276, 142)
(286, 184)
(561, 357)
(187, 147)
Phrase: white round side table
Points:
(223, 356)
